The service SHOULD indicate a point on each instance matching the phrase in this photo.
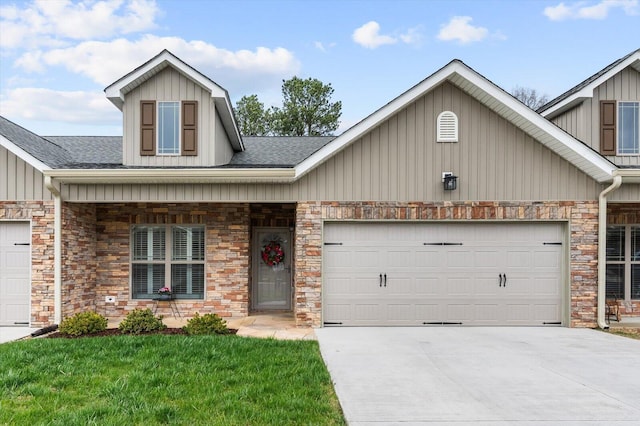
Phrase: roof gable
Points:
(494, 98)
(117, 90)
(585, 89)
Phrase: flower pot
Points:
(164, 297)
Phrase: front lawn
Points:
(160, 379)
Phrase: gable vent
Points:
(447, 126)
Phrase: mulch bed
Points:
(116, 332)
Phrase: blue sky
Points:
(57, 56)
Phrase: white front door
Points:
(434, 273)
(271, 284)
(15, 265)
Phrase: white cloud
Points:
(460, 29)
(581, 10)
(105, 62)
(51, 105)
(56, 23)
(369, 36)
(323, 47)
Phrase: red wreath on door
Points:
(272, 254)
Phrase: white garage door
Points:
(436, 273)
(15, 255)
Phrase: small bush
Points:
(140, 321)
(206, 324)
(83, 323)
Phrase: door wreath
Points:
(272, 254)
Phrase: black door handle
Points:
(385, 280)
(499, 280)
(504, 283)
(380, 280)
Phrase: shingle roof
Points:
(105, 152)
(90, 149)
(585, 83)
(41, 149)
(277, 151)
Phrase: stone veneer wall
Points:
(40, 213)
(625, 214)
(227, 255)
(78, 258)
(581, 216)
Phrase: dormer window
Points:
(168, 128)
(447, 127)
(619, 128)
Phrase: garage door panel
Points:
(447, 272)
(426, 258)
(429, 287)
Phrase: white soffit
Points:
(496, 99)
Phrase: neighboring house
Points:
(367, 228)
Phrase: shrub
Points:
(206, 324)
(83, 323)
(140, 321)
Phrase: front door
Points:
(271, 287)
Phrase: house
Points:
(453, 203)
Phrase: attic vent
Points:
(447, 126)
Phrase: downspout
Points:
(602, 249)
(57, 249)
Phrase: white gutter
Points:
(602, 249)
(57, 249)
(177, 175)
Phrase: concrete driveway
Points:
(483, 376)
(8, 334)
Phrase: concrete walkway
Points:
(8, 334)
(483, 376)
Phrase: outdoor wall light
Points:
(449, 181)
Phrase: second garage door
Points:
(436, 273)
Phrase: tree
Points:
(529, 97)
(251, 116)
(306, 110)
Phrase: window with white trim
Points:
(447, 127)
(628, 128)
(623, 262)
(168, 128)
(167, 256)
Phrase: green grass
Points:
(159, 379)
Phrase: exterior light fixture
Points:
(449, 181)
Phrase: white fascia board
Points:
(116, 95)
(374, 119)
(154, 176)
(587, 91)
(629, 175)
(597, 167)
(23, 155)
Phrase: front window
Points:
(628, 127)
(169, 128)
(623, 262)
(168, 256)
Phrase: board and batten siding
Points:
(223, 148)
(626, 193)
(170, 85)
(19, 181)
(400, 160)
(583, 121)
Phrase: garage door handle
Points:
(385, 280)
(504, 283)
(380, 280)
(499, 280)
